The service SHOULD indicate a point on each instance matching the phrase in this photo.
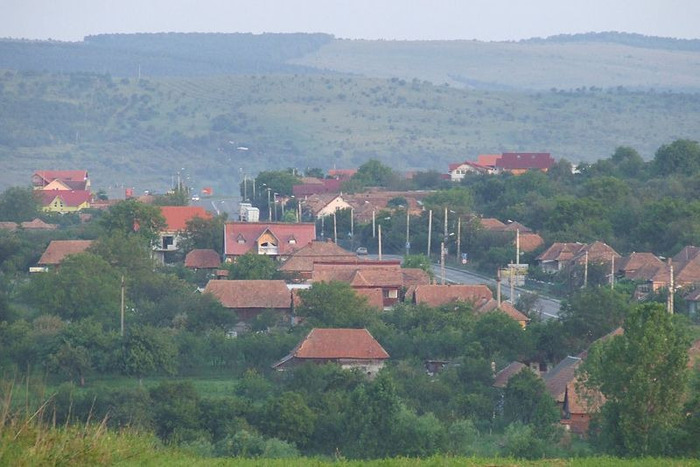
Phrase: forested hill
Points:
(635, 40)
(165, 54)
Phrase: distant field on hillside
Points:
(534, 65)
(129, 132)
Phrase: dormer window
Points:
(292, 240)
(240, 239)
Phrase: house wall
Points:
(333, 206)
(270, 239)
(58, 206)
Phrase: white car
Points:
(361, 250)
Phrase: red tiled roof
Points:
(436, 295)
(560, 376)
(514, 226)
(70, 198)
(263, 294)
(38, 224)
(340, 344)
(360, 273)
(560, 252)
(375, 297)
(290, 237)
(630, 264)
(488, 160)
(414, 277)
(316, 186)
(530, 241)
(63, 175)
(202, 259)
(342, 174)
(525, 160)
(176, 217)
(11, 226)
(59, 249)
(598, 252)
(686, 254)
(506, 307)
(303, 259)
(489, 223)
(503, 376)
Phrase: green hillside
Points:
(140, 132)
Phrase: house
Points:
(365, 205)
(176, 219)
(37, 224)
(520, 162)
(68, 179)
(64, 201)
(349, 348)
(501, 379)
(57, 251)
(315, 186)
(558, 256)
(491, 224)
(301, 262)
(596, 253)
(363, 275)
(249, 298)
(321, 205)
(479, 296)
(342, 174)
(276, 239)
(202, 259)
(458, 170)
(530, 241)
(488, 160)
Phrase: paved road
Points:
(548, 307)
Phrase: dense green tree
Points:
(682, 156)
(334, 304)
(205, 233)
(499, 334)
(252, 266)
(176, 410)
(590, 313)
(18, 204)
(526, 400)
(133, 217)
(289, 418)
(642, 374)
(418, 262)
(147, 350)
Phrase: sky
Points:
(487, 20)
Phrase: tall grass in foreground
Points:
(27, 438)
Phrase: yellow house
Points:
(64, 201)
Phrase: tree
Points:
(591, 313)
(419, 262)
(252, 266)
(205, 233)
(18, 204)
(642, 374)
(290, 418)
(680, 157)
(334, 304)
(526, 400)
(147, 350)
(132, 217)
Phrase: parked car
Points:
(361, 250)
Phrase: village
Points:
(304, 253)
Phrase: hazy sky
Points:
(363, 19)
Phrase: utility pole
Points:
(517, 247)
(512, 286)
(498, 287)
(380, 242)
(408, 233)
(374, 224)
(585, 271)
(335, 228)
(444, 234)
(269, 206)
(671, 287)
(612, 272)
(121, 308)
(459, 238)
(245, 188)
(442, 262)
(430, 229)
(352, 228)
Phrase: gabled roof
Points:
(262, 294)
(360, 273)
(530, 241)
(59, 249)
(414, 277)
(332, 344)
(489, 223)
(514, 226)
(64, 175)
(436, 295)
(38, 224)
(11, 226)
(635, 261)
(598, 252)
(505, 307)
(303, 259)
(291, 237)
(560, 252)
(312, 186)
(379, 278)
(525, 160)
(342, 174)
(176, 217)
(202, 259)
(503, 376)
(686, 254)
(560, 376)
(71, 198)
(687, 272)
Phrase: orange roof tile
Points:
(290, 237)
(375, 297)
(176, 217)
(489, 223)
(340, 344)
(436, 295)
(560, 252)
(71, 198)
(59, 249)
(202, 259)
(503, 376)
(530, 241)
(263, 294)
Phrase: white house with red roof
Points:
(176, 219)
(276, 239)
(350, 348)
